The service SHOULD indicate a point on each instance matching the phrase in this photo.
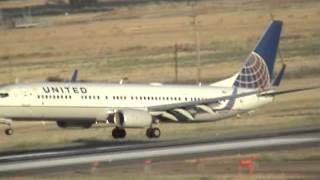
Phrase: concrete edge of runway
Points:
(171, 149)
(132, 145)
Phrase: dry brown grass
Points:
(147, 32)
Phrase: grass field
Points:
(137, 40)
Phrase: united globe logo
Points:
(254, 74)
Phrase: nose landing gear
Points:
(8, 122)
(8, 131)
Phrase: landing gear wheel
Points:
(149, 133)
(119, 133)
(8, 131)
(123, 133)
(156, 132)
(153, 133)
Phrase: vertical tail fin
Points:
(258, 68)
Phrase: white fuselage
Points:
(94, 101)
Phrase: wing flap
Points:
(185, 113)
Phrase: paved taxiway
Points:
(156, 150)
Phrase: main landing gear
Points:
(153, 133)
(119, 133)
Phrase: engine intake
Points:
(130, 118)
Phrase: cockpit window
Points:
(3, 95)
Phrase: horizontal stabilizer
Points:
(288, 91)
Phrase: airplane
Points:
(81, 104)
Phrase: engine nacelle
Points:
(130, 118)
(74, 124)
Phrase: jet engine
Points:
(130, 118)
(74, 124)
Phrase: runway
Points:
(123, 153)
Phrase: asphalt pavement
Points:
(33, 162)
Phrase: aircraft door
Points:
(26, 95)
(26, 99)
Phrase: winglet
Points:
(74, 76)
(277, 80)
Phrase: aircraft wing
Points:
(190, 104)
